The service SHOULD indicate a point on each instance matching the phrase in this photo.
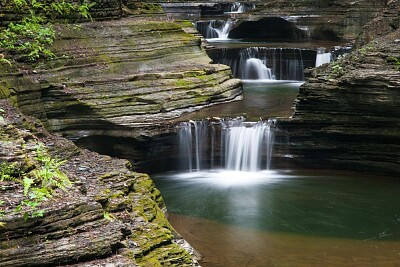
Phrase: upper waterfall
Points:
(255, 69)
(214, 29)
(261, 63)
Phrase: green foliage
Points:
(336, 67)
(4, 60)
(29, 37)
(109, 217)
(33, 36)
(39, 185)
(9, 172)
(49, 175)
(394, 60)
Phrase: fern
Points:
(50, 175)
(39, 185)
(9, 172)
(33, 35)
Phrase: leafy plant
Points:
(33, 36)
(396, 62)
(109, 217)
(336, 67)
(49, 175)
(39, 185)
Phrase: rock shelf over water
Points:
(116, 74)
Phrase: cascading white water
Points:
(185, 145)
(243, 145)
(224, 31)
(214, 29)
(322, 57)
(263, 63)
(255, 69)
(237, 8)
(231, 144)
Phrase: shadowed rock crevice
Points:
(269, 28)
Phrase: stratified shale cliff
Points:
(347, 116)
(119, 74)
(109, 216)
(319, 19)
(111, 78)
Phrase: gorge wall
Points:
(121, 78)
(346, 115)
(320, 19)
(125, 77)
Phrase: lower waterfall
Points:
(229, 144)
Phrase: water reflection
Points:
(232, 246)
(265, 99)
(316, 205)
(273, 218)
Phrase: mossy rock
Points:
(170, 255)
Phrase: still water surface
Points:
(280, 217)
(261, 99)
(274, 218)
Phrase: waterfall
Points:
(238, 7)
(322, 57)
(214, 28)
(185, 145)
(264, 63)
(231, 144)
(224, 32)
(255, 69)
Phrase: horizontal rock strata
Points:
(116, 74)
(348, 115)
(324, 20)
(110, 215)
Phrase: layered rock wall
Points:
(110, 216)
(347, 116)
(322, 19)
(125, 73)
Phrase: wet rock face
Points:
(74, 228)
(321, 19)
(347, 116)
(325, 20)
(120, 74)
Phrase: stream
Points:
(260, 215)
(285, 218)
(281, 217)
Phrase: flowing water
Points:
(261, 99)
(233, 144)
(322, 57)
(266, 63)
(214, 29)
(236, 215)
(278, 218)
(231, 204)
